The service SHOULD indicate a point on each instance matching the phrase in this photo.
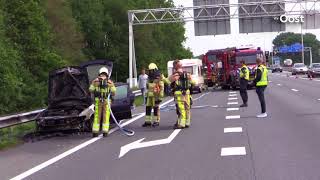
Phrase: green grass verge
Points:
(13, 135)
(138, 101)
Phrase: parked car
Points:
(299, 68)
(314, 70)
(276, 68)
(69, 97)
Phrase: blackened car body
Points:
(69, 97)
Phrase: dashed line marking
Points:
(233, 151)
(279, 84)
(232, 103)
(305, 78)
(270, 81)
(232, 92)
(233, 117)
(232, 130)
(232, 109)
(295, 90)
(233, 95)
(230, 99)
(317, 79)
(318, 99)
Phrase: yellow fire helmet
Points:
(152, 66)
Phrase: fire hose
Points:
(125, 131)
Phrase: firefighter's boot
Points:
(146, 124)
(155, 124)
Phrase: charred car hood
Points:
(68, 86)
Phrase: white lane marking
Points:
(232, 103)
(295, 90)
(317, 79)
(270, 81)
(232, 109)
(318, 99)
(232, 92)
(230, 99)
(139, 144)
(232, 95)
(195, 99)
(75, 149)
(279, 84)
(304, 78)
(233, 151)
(232, 130)
(233, 117)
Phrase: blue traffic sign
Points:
(297, 47)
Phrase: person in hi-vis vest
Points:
(101, 87)
(261, 82)
(244, 78)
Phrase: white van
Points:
(194, 67)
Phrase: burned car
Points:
(69, 98)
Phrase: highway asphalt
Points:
(224, 142)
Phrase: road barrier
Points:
(16, 119)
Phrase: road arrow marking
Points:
(139, 144)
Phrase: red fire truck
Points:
(227, 73)
(210, 61)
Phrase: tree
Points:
(28, 30)
(310, 40)
(68, 40)
(10, 82)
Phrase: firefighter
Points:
(244, 78)
(101, 87)
(155, 94)
(181, 83)
(261, 82)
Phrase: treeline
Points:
(289, 38)
(37, 36)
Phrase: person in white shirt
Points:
(143, 80)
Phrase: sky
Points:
(201, 44)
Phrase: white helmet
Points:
(104, 70)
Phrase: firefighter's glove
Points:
(158, 101)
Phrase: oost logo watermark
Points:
(290, 19)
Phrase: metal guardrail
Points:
(16, 119)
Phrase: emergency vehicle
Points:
(228, 72)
